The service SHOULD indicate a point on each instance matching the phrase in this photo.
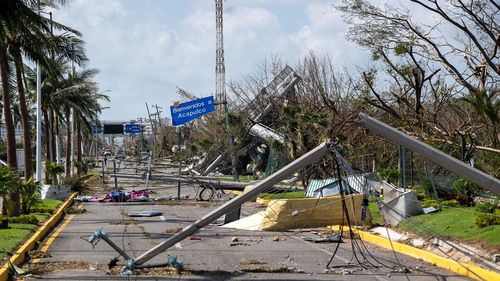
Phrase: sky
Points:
(145, 48)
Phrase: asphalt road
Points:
(212, 253)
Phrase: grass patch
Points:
(247, 178)
(376, 215)
(454, 223)
(11, 238)
(284, 195)
(46, 206)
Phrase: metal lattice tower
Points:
(220, 70)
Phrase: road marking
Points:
(51, 239)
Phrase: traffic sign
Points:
(96, 130)
(132, 128)
(185, 112)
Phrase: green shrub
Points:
(486, 219)
(488, 207)
(30, 194)
(465, 191)
(53, 169)
(42, 209)
(426, 203)
(8, 180)
(26, 219)
(77, 182)
(450, 203)
(423, 190)
(388, 174)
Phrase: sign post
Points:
(185, 112)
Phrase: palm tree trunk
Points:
(46, 133)
(48, 136)
(68, 141)
(78, 144)
(53, 136)
(9, 127)
(57, 139)
(28, 165)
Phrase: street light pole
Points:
(38, 170)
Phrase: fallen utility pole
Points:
(478, 177)
(211, 181)
(308, 158)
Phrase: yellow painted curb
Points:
(19, 255)
(469, 270)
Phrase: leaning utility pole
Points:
(153, 128)
(220, 80)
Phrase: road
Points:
(213, 253)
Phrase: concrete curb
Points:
(466, 269)
(20, 254)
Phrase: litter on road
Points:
(146, 213)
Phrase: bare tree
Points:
(463, 42)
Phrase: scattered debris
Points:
(239, 244)
(430, 210)
(86, 198)
(401, 270)
(123, 222)
(267, 269)
(74, 210)
(249, 262)
(195, 238)
(234, 239)
(146, 213)
(276, 238)
(337, 238)
(42, 268)
(36, 254)
(173, 230)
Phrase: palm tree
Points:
(75, 90)
(85, 115)
(83, 98)
(23, 32)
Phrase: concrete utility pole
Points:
(160, 142)
(38, 153)
(73, 133)
(153, 128)
(448, 162)
(310, 157)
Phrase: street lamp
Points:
(38, 169)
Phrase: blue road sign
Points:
(185, 112)
(96, 130)
(132, 128)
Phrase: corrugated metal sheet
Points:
(356, 183)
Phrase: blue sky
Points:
(145, 48)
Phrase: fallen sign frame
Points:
(188, 111)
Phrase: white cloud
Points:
(325, 34)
